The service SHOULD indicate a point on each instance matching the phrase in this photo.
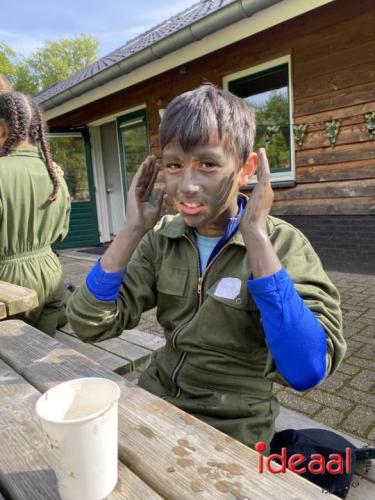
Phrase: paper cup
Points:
(80, 423)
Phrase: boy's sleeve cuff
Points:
(267, 284)
(104, 285)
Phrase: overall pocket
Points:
(230, 319)
(172, 300)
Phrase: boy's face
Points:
(203, 184)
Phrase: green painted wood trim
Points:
(90, 173)
(83, 227)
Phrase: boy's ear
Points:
(248, 169)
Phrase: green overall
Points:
(29, 224)
(216, 364)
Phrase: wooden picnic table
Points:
(163, 451)
(16, 299)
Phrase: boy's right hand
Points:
(142, 212)
(143, 203)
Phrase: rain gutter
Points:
(232, 13)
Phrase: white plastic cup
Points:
(80, 423)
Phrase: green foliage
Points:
(24, 80)
(332, 129)
(370, 123)
(52, 63)
(7, 58)
(299, 133)
(56, 61)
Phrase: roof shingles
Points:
(173, 25)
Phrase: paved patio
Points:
(346, 400)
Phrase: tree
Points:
(56, 61)
(52, 63)
(24, 80)
(7, 61)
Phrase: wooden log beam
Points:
(351, 134)
(361, 169)
(337, 206)
(338, 154)
(347, 112)
(358, 94)
(340, 189)
(340, 79)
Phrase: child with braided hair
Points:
(34, 209)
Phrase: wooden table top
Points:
(16, 299)
(163, 451)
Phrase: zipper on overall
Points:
(177, 332)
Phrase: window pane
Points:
(135, 143)
(69, 153)
(267, 93)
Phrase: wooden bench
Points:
(129, 352)
(16, 299)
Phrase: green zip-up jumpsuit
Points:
(29, 224)
(216, 364)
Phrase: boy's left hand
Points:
(254, 220)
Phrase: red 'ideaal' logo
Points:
(316, 464)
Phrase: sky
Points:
(26, 24)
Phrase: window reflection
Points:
(69, 153)
(135, 144)
(267, 93)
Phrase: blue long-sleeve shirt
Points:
(294, 335)
(104, 286)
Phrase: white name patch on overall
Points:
(228, 288)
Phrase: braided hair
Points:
(38, 134)
(24, 121)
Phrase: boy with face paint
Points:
(242, 296)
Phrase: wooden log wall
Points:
(333, 65)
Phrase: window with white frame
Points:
(267, 89)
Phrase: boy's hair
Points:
(24, 121)
(193, 116)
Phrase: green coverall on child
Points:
(29, 224)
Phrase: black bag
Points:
(325, 443)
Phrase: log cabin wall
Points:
(333, 64)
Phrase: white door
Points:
(112, 175)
